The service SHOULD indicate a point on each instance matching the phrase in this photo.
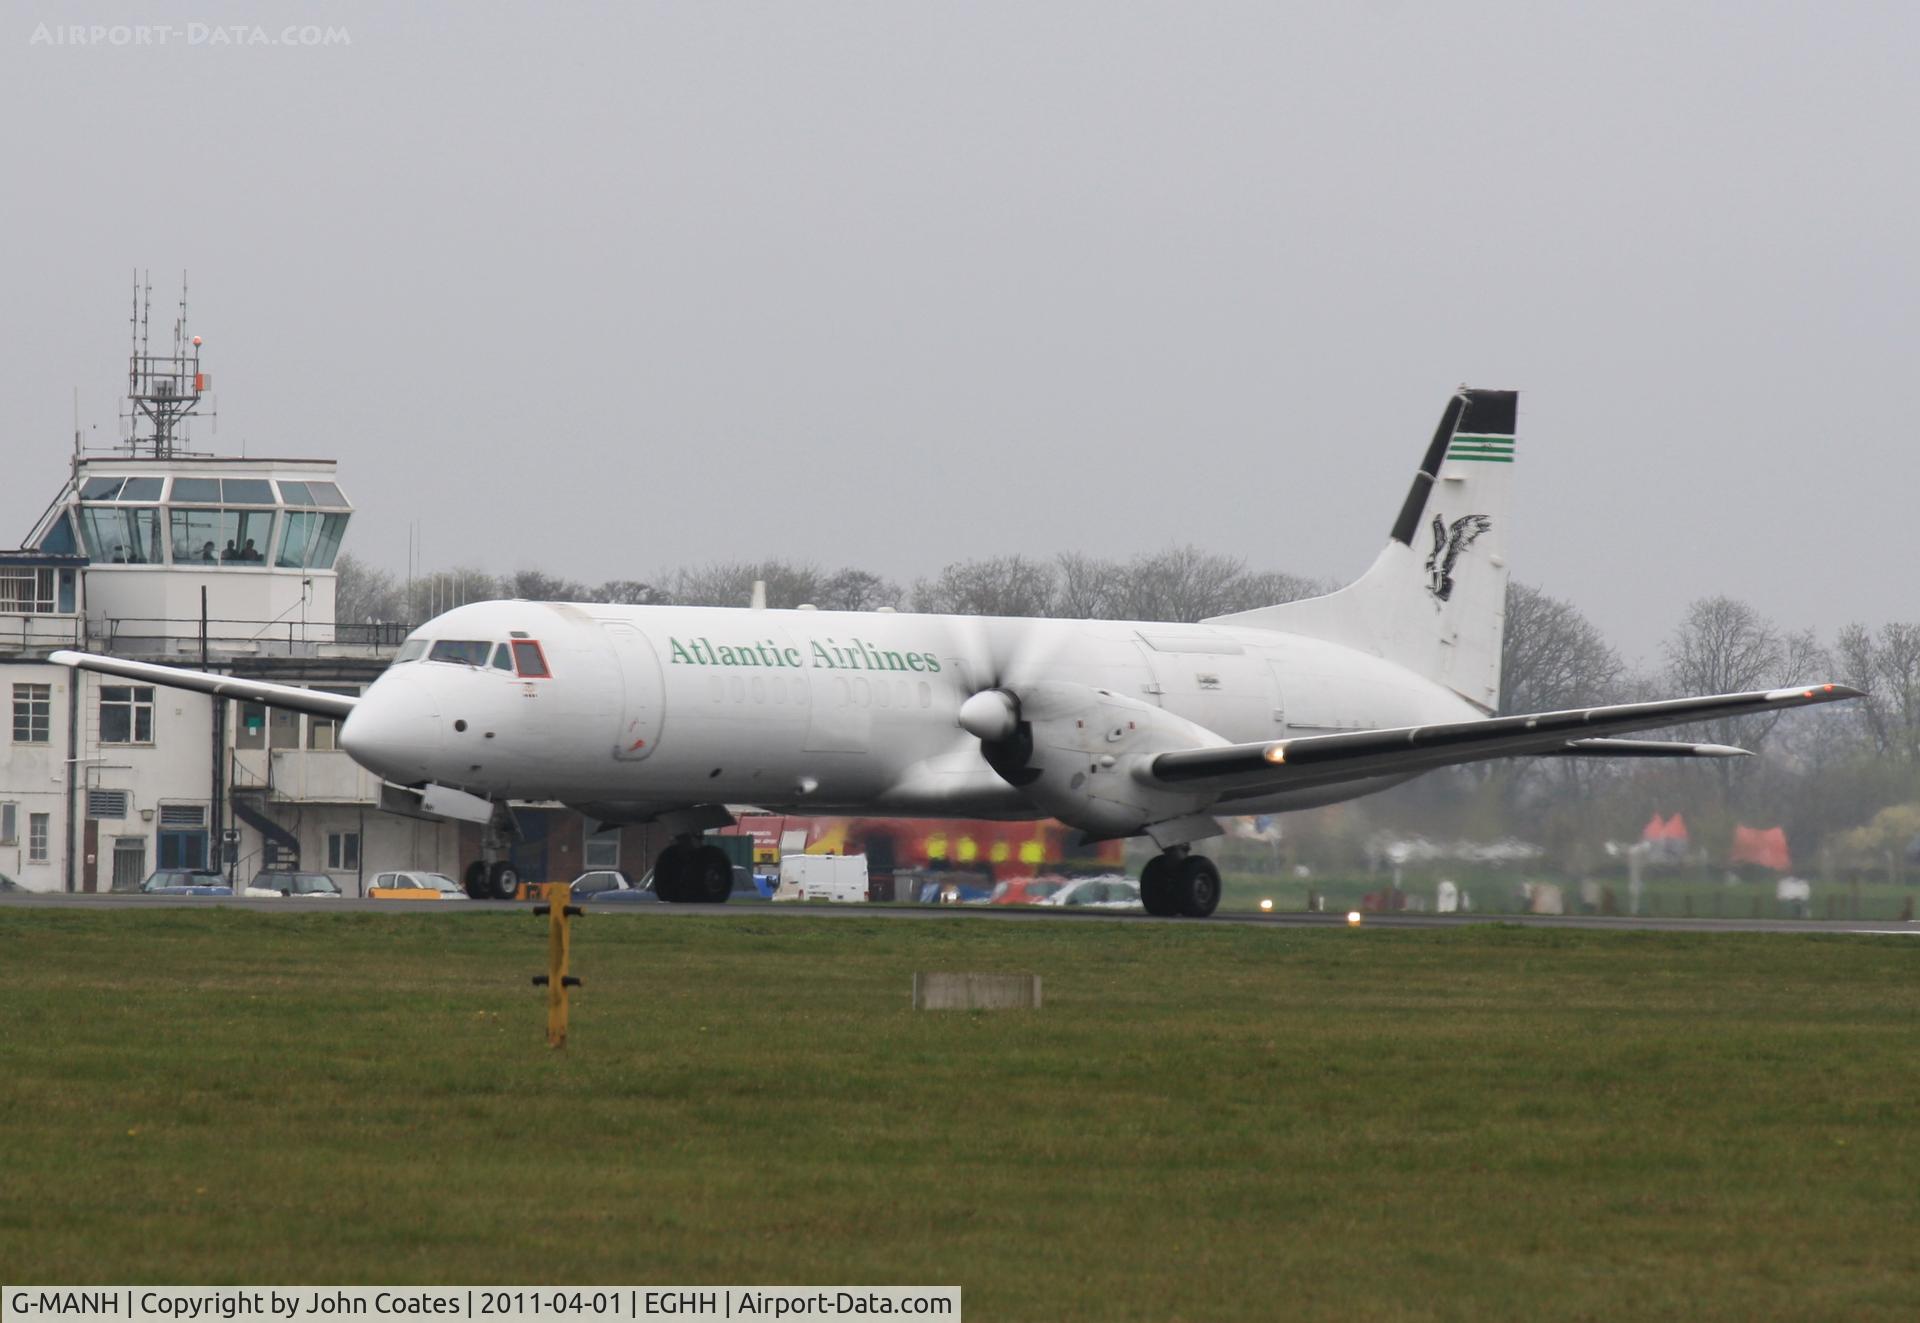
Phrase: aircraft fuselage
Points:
(817, 711)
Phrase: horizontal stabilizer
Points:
(1644, 749)
(1315, 760)
(287, 696)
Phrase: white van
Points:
(838, 877)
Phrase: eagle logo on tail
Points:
(1448, 543)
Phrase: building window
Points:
(283, 728)
(26, 591)
(251, 733)
(343, 851)
(129, 862)
(32, 713)
(603, 849)
(106, 803)
(324, 732)
(9, 823)
(37, 829)
(126, 714)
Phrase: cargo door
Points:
(1212, 681)
(642, 703)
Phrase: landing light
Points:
(1276, 753)
(1353, 918)
(1266, 904)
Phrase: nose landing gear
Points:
(498, 880)
(492, 876)
(1179, 882)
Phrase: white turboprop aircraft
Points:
(1119, 728)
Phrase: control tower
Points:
(155, 549)
(166, 528)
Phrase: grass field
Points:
(1203, 1123)
(1666, 895)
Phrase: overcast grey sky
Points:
(607, 289)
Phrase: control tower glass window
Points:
(246, 491)
(220, 537)
(310, 540)
(123, 535)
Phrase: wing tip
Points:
(1721, 751)
(65, 657)
(1814, 693)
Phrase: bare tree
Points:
(1553, 657)
(626, 592)
(1724, 646)
(1886, 666)
(857, 590)
(1002, 586)
(1089, 588)
(538, 586)
(1271, 587)
(730, 583)
(364, 595)
(445, 589)
(1182, 583)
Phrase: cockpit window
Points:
(528, 659)
(502, 659)
(465, 651)
(411, 650)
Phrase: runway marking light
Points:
(1266, 904)
(1353, 918)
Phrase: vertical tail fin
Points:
(1434, 600)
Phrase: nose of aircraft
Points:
(394, 729)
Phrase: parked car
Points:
(1111, 892)
(284, 882)
(185, 882)
(1025, 890)
(410, 884)
(609, 884)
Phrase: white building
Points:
(175, 560)
(154, 553)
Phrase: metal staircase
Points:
(280, 847)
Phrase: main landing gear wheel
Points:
(504, 881)
(668, 871)
(709, 878)
(689, 874)
(1196, 886)
(1157, 886)
(476, 879)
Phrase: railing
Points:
(243, 773)
(274, 638)
(32, 632)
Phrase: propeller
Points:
(1001, 655)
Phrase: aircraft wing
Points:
(1273, 765)
(222, 686)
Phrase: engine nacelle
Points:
(1081, 754)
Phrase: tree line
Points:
(1843, 779)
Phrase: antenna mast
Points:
(163, 390)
